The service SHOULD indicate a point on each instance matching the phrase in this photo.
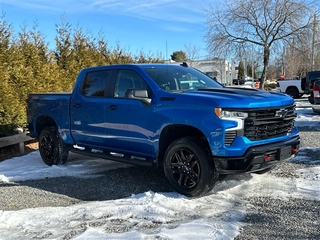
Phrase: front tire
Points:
(189, 168)
(52, 149)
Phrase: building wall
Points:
(217, 68)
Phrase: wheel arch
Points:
(292, 87)
(173, 132)
(295, 88)
(42, 122)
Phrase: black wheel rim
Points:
(185, 168)
(47, 147)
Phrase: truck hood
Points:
(231, 97)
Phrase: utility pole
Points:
(252, 62)
(315, 29)
(245, 67)
(167, 51)
(283, 61)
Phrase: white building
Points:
(220, 69)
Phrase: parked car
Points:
(292, 87)
(316, 97)
(238, 81)
(307, 84)
(251, 83)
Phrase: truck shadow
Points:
(106, 185)
(112, 184)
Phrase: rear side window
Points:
(95, 84)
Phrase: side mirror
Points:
(141, 94)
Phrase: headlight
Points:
(225, 114)
(233, 116)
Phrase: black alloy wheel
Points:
(51, 147)
(189, 168)
(185, 168)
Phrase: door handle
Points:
(76, 105)
(112, 107)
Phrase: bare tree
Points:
(302, 53)
(192, 52)
(296, 56)
(261, 23)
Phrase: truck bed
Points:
(49, 105)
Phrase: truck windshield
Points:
(176, 78)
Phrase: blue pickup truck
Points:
(168, 116)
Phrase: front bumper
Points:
(259, 157)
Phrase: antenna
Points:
(167, 51)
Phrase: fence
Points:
(17, 140)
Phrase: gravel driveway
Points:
(278, 219)
(266, 218)
(293, 219)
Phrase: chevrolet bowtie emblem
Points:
(281, 113)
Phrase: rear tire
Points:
(293, 92)
(52, 149)
(189, 168)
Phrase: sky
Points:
(158, 26)
(178, 217)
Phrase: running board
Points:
(118, 157)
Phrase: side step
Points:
(118, 157)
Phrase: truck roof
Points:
(141, 65)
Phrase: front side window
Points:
(128, 79)
(95, 84)
(181, 78)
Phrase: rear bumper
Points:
(259, 158)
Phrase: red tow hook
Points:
(294, 149)
(266, 158)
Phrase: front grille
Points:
(267, 123)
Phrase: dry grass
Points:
(10, 151)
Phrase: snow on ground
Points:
(149, 215)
